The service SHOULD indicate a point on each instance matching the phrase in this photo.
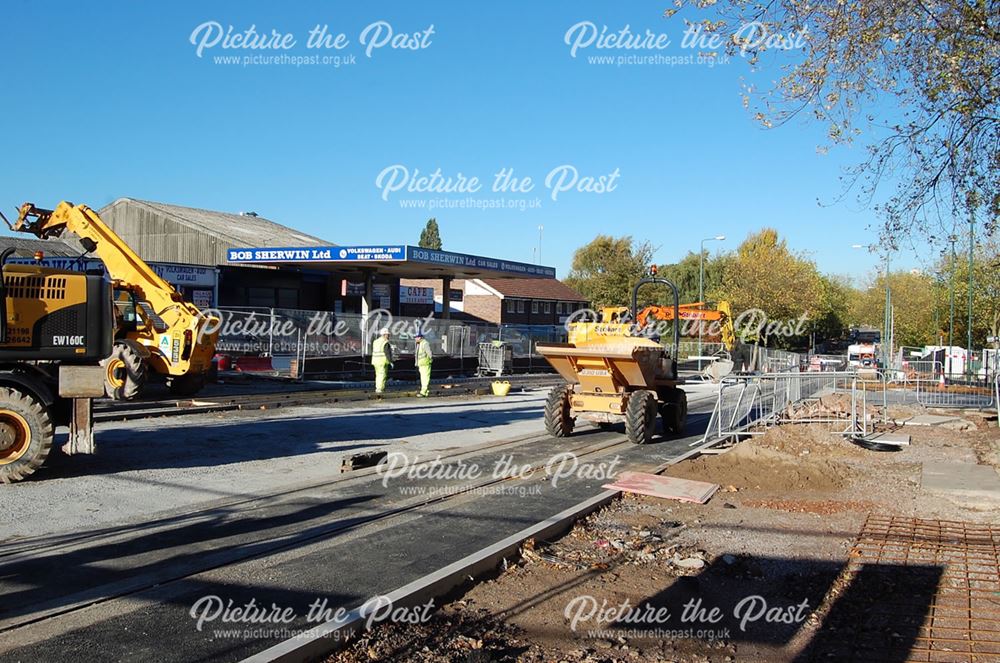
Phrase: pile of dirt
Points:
(807, 439)
(753, 465)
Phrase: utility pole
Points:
(701, 288)
(540, 229)
(972, 243)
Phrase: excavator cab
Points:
(126, 311)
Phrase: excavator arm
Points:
(696, 311)
(121, 261)
(174, 331)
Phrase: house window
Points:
(548, 307)
(510, 305)
(534, 306)
(520, 306)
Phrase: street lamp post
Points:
(968, 349)
(887, 339)
(701, 287)
(540, 229)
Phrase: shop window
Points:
(288, 298)
(263, 297)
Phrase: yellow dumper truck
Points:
(617, 371)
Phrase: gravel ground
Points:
(154, 466)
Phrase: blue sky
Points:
(111, 100)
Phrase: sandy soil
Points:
(769, 552)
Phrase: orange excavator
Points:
(721, 313)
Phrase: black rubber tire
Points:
(673, 412)
(640, 417)
(558, 421)
(39, 423)
(136, 373)
(185, 386)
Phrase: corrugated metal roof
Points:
(26, 247)
(235, 229)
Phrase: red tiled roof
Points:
(535, 289)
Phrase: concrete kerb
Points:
(330, 636)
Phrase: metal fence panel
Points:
(289, 337)
(747, 401)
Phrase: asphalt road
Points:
(143, 533)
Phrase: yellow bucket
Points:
(501, 388)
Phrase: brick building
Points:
(503, 301)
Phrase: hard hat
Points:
(384, 332)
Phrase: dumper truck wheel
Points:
(673, 412)
(25, 434)
(184, 386)
(125, 373)
(558, 420)
(640, 417)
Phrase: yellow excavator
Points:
(55, 328)
(156, 329)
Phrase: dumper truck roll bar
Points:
(677, 308)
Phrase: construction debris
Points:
(830, 406)
(362, 460)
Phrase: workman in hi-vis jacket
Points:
(382, 359)
(424, 357)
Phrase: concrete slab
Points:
(929, 420)
(975, 485)
(901, 439)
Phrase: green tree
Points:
(914, 298)
(430, 236)
(833, 316)
(685, 275)
(765, 280)
(985, 294)
(605, 270)
(918, 82)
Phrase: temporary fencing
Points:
(284, 342)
